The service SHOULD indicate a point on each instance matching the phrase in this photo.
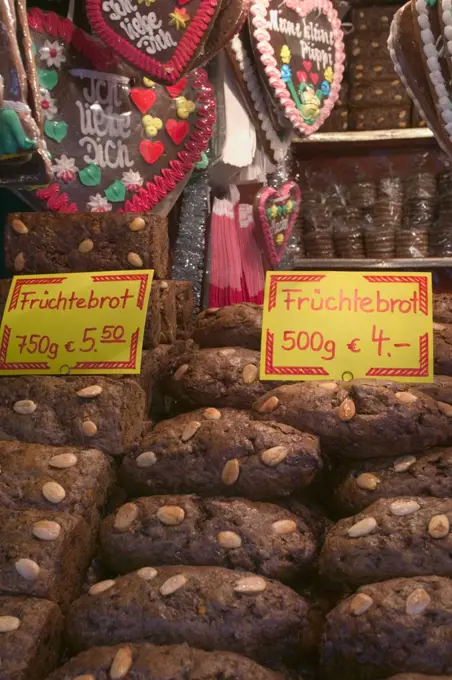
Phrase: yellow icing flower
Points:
(148, 3)
(151, 125)
(180, 18)
(184, 107)
(147, 82)
(289, 206)
(279, 239)
(274, 211)
(285, 54)
(329, 74)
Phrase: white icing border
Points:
(254, 88)
(398, 69)
(432, 58)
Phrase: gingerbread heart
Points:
(276, 211)
(106, 133)
(160, 38)
(293, 37)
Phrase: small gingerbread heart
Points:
(276, 211)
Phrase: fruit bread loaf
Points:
(30, 637)
(373, 18)
(236, 325)
(57, 479)
(168, 662)
(400, 625)
(48, 243)
(381, 117)
(234, 533)
(404, 536)
(442, 308)
(207, 607)
(357, 484)
(216, 377)
(221, 452)
(43, 553)
(82, 411)
(440, 389)
(442, 348)
(360, 419)
(185, 307)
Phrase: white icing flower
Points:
(98, 203)
(64, 168)
(132, 180)
(48, 104)
(52, 53)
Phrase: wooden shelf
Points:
(422, 264)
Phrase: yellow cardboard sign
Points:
(344, 325)
(58, 324)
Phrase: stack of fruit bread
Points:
(179, 524)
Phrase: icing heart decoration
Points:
(119, 142)
(161, 38)
(276, 211)
(293, 39)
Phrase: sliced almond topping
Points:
(46, 530)
(172, 584)
(400, 508)
(19, 262)
(163, 285)
(284, 526)
(122, 663)
(231, 472)
(368, 481)
(180, 372)
(53, 492)
(212, 414)
(85, 246)
(438, 327)
(9, 623)
(28, 569)
(190, 430)
(63, 461)
(25, 407)
(146, 459)
(134, 260)
(101, 587)
(360, 604)
(89, 428)
(328, 386)
(363, 528)
(147, 573)
(227, 352)
(249, 374)
(274, 456)
(347, 410)
(125, 516)
(405, 397)
(250, 585)
(439, 526)
(171, 515)
(137, 224)
(417, 601)
(91, 391)
(19, 227)
(404, 463)
(85, 676)
(445, 408)
(267, 406)
(229, 540)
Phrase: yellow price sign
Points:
(75, 323)
(344, 325)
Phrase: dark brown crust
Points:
(398, 546)
(195, 541)
(385, 639)
(440, 389)
(215, 378)
(25, 469)
(163, 299)
(172, 662)
(382, 426)
(51, 245)
(429, 475)
(117, 412)
(185, 307)
(234, 326)
(374, 18)
(62, 562)
(31, 652)
(381, 118)
(442, 348)
(205, 612)
(196, 465)
(442, 308)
